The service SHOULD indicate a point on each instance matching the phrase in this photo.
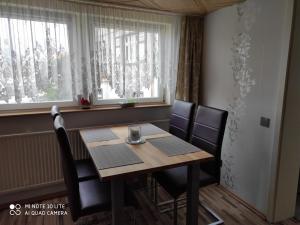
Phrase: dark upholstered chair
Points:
(85, 197)
(180, 126)
(207, 134)
(181, 117)
(84, 167)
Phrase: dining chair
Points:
(85, 197)
(180, 119)
(85, 167)
(180, 126)
(207, 134)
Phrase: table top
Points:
(153, 159)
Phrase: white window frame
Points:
(37, 17)
(161, 81)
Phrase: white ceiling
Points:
(198, 7)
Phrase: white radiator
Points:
(33, 159)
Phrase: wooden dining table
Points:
(152, 160)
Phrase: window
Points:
(34, 62)
(127, 64)
(56, 53)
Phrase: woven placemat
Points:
(98, 135)
(110, 156)
(172, 146)
(150, 129)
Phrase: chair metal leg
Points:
(182, 205)
(209, 210)
(171, 208)
(176, 206)
(168, 202)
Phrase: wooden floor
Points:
(232, 211)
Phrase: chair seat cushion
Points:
(94, 196)
(85, 169)
(174, 180)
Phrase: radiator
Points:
(33, 159)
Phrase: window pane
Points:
(34, 62)
(128, 62)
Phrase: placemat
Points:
(98, 135)
(150, 129)
(172, 146)
(110, 156)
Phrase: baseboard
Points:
(244, 203)
(32, 194)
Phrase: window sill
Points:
(70, 109)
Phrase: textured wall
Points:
(245, 59)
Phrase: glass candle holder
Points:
(134, 133)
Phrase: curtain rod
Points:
(111, 5)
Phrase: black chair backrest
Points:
(208, 132)
(181, 117)
(69, 170)
(55, 111)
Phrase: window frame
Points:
(161, 81)
(55, 17)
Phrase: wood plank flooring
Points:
(231, 210)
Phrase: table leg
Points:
(192, 194)
(117, 198)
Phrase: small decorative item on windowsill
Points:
(85, 103)
(127, 103)
(134, 135)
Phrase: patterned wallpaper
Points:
(243, 81)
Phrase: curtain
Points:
(54, 50)
(188, 86)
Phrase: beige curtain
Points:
(188, 87)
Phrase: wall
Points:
(289, 161)
(245, 59)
